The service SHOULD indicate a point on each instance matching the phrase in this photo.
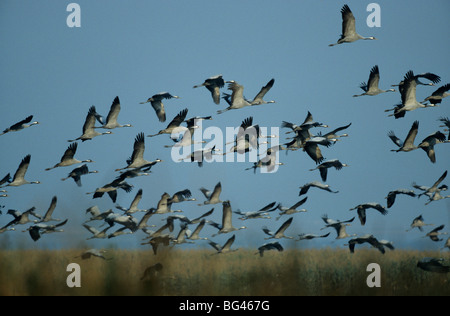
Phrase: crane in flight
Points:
(349, 33)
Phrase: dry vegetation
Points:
(200, 272)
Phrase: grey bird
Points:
(76, 174)
(408, 93)
(419, 223)
(408, 144)
(270, 246)
(25, 123)
(371, 87)
(361, 210)
(393, 194)
(19, 175)
(324, 166)
(433, 265)
(315, 184)
(158, 106)
(89, 131)
(111, 119)
(349, 33)
(227, 224)
(213, 84)
(68, 159)
(436, 97)
(279, 233)
(37, 230)
(226, 247)
(137, 157)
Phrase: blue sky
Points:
(136, 49)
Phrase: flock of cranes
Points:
(304, 140)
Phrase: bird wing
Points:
(299, 203)
(406, 192)
(374, 78)
(64, 222)
(428, 143)
(136, 199)
(34, 232)
(395, 139)
(90, 120)
(348, 221)
(351, 246)
(267, 231)
(195, 220)
(70, 152)
(20, 123)
(51, 208)
(327, 220)
(309, 118)
(337, 164)
(229, 242)
(91, 229)
(264, 90)
(113, 111)
(284, 226)
(408, 91)
(377, 207)
(348, 22)
(238, 91)
(226, 215)
(277, 246)
(198, 228)
(440, 91)
(205, 192)
(420, 187)
(215, 245)
(441, 178)
(445, 120)
(409, 140)
(178, 119)
(215, 93)
(78, 172)
(430, 76)
(138, 148)
(5, 179)
(217, 191)
(313, 151)
(268, 207)
(338, 129)
(214, 84)
(323, 173)
(304, 189)
(163, 202)
(364, 86)
(288, 125)
(387, 244)
(431, 153)
(113, 195)
(391, 198)
(158, 106)
(23, 167)
(362, 215)
(164, 95)
(437, 229)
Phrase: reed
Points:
(202, 272)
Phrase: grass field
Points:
(203, 273)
